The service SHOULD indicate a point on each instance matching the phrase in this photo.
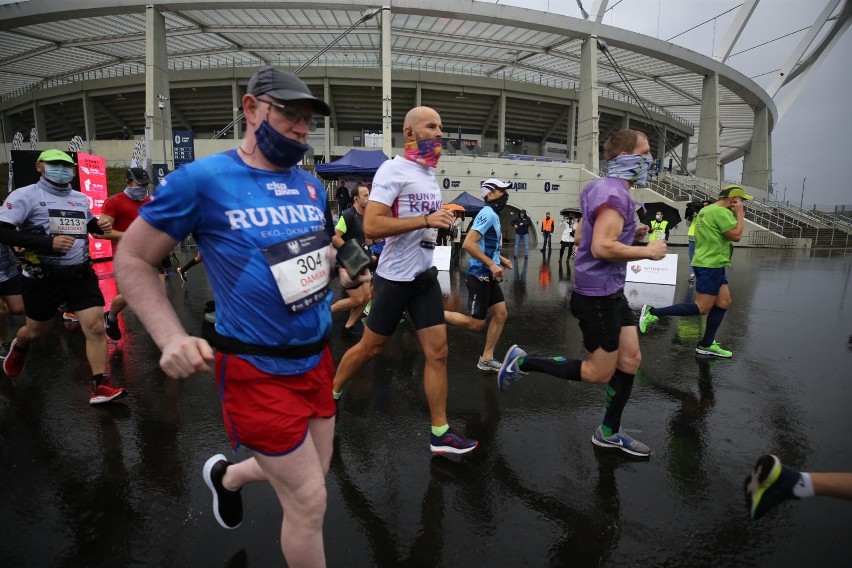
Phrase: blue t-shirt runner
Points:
(263, 235)
(487, 224)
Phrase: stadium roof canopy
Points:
(46, 44)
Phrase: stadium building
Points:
(524, 95)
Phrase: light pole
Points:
(802, 202)
(162, 104)
(785, 194)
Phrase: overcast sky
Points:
(808, 140)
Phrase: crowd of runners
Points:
(271, 248)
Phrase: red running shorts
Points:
(269, 413)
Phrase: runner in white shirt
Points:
(406, 211)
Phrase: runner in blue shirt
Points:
(264, 229)
(485, 272)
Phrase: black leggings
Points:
(562, 245)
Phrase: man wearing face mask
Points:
(51, 221)
(264, 227)
(485, 272)
(659, 228)
(717, 228)
(405, 209)
(607, 237)
(121, 210)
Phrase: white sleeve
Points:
(386, 184)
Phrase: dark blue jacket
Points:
(522, 224)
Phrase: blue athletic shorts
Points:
(709, 280)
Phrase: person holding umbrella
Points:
(569, 225)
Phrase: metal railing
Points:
(785, 221)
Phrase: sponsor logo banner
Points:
(653, 271)
(92, 173)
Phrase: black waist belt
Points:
(72, 271)
(226, 344)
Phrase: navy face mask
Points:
(277, 148)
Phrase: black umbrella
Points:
(670, 214)
(574, 210)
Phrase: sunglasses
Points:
(293, 115)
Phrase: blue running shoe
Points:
(621, 441)
(769, 484)
(452, 443)
(509, 370)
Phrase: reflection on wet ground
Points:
(120, 485)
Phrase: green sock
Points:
(335, 394)
(440, 430)
(606, 431)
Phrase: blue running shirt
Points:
(487, 224)
(248, 222)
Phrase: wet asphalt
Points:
(120, 484)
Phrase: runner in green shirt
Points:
(717, 227)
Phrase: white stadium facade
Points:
(524, 95)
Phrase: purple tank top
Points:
(594, 277)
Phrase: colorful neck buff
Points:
(136, 193)
(277, 148)
(630, 167)
(426, 152)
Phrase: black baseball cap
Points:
(139, 175)
(284, 87)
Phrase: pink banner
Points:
(91, 171)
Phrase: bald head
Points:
(421, 123)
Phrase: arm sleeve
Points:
(9, 235)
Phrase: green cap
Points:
(732, 190)
(55, 156)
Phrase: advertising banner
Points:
(158, 171)
(183, 147)
(91, 170)
(653, 271)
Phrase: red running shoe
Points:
(105, 392)
(13, 364)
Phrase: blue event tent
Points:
(356, 163)
(470, 203)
